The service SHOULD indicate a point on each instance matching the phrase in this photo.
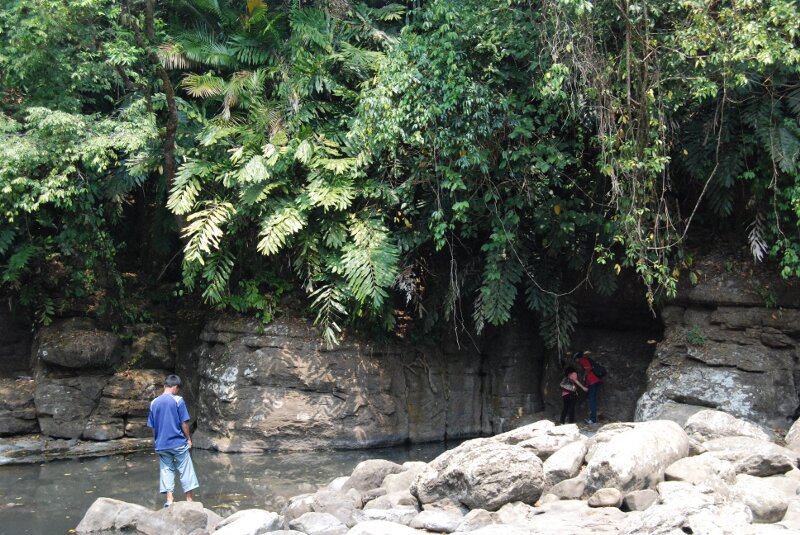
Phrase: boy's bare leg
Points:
(170, 497)
(189, 496)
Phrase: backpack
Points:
(568, 385)
(598, 369)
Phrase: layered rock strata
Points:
(730, 343)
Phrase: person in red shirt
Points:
(570, 395)
(592, 382)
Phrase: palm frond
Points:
(172, 57)
(328, 301)
(205, 230)
(203, 85)
(370, 261)
(187, 186)
(278, 227)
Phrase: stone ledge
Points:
(37, 448)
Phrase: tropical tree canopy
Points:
(391, 164)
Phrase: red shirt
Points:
(591, 378)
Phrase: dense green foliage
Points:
(423, 161)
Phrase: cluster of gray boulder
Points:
(716, 475)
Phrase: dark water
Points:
(51, 498)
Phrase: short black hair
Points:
(172, 380)
(577, 355)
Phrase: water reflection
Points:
(51, 498)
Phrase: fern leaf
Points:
(7, 236)
(755, 237)
(187, 186)
(278, 227)
(370, 261)
(254, 171)
(217, 273)
(331, 193)
(205, 230)
(18, 261)
(498, 292)
(312, 26)
(328, 301)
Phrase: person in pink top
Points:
(569, 394)
(592, 382)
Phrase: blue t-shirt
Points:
(167, 412)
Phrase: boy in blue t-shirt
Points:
(170, 422)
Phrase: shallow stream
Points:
(51, 498)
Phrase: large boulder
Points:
(149, 347)
(64, 404)
(482, 474)
(574, 517)
(700, 468)
(526, 432)
(636, 457)
(249, 522)
(393, 500)
(570, 489)
(182, 518)
(793, 436)
(738, 359)
(342, 505)
(710, 424)
(767, 503)
(437, 521)
(318, 524)
(639, 500)
(606, 498)
(78, 343)
(752, 456)
(564, 463)
(107, 515)
(17, 409)
(548, 441)
(703, 518)
(401, 481)
(370, 474)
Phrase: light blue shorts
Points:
(169, 461)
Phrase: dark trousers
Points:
(569, 408)
(593, 402)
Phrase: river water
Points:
(51, 498)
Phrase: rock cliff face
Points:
(281, 389)
(730, 342)
(86, 386)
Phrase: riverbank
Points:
(715, 474)
(50, 498)
(27, 449)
